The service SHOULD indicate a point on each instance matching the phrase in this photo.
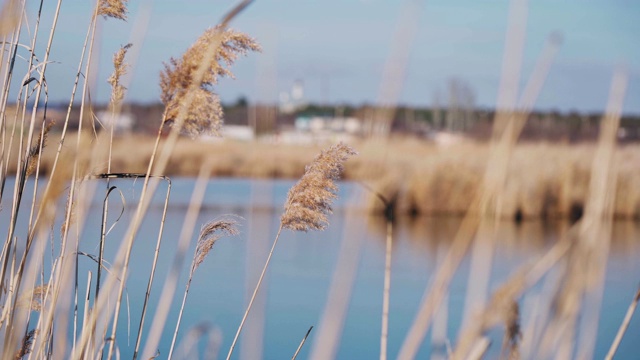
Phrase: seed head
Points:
(113, 8)
(309, 201)
(119, 69)
(209, 234)
(177, 78)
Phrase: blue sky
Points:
(338, 48)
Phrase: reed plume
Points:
(309, 201)
(307, 206)
(205, 113)
(119, 70)
(209, 234)
(116, 9)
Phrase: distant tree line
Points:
(419, 121)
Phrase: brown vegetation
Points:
(545, 180)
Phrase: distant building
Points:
(321, 129)
(319, 124)
(232, 132)
(238, 132)
(122, 122)
(292, 100)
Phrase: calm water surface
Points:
(296, 290)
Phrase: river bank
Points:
(545, 180)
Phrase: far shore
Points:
(545, 180)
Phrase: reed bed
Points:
(545, 180)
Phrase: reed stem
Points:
(255, 293)
(302, 343)
(623, 327)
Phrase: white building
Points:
(122, 122)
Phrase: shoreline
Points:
(545, 180)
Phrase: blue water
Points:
(295, 293)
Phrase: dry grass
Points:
(309, 201)
(548, 181)
(178, 79)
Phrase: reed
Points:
(68, 168)
(307, 206)
(209, 234)
(623, 326)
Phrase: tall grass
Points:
(23, 255)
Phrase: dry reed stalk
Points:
(328, 335)
(117, 94)
(623, 326)
(170, 284)
(19, 183)
(389, 217)
(506, 133)
(479, 349)
(209, 234)
(10, 339)
(189, 104)
(54, 166)
(117, 9)
(307, 206)
(8, 76)
(599, 211)
(26, 275)
(588, 258)
(45, 335)
(304, 339)
(153, 269)
(501, 306)
(188, 347)
(87, 307)
(9, 10)
(395, 67)
(480, 267)
(33, 112)
(259, 223)
(65, 266)
(103, 233)
(122, 258)
(30, 164)
(440, 344)
(384, 333)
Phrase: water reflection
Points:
(426, 234)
